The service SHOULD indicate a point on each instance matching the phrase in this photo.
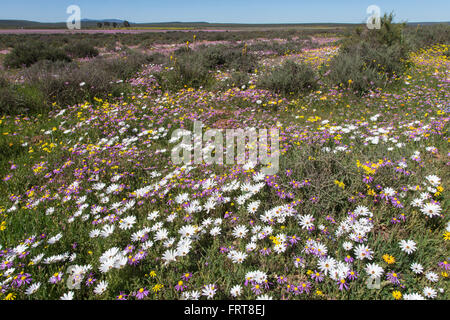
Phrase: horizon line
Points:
(227, 23)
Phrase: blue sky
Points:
(233, 11)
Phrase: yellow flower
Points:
(152, 274)
(447, 236)
(389, 259)
(10, 296)
(157, 288)
(397, 295)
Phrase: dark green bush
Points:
(3, 81)
(186, 71)
(290, 78)
(81, 49)
(237, 79)
(15, 99)
(370, 58)
(424, 36)
(157, 58)
(220, 56)
(346, 67)
(26, 54)
(70, 83)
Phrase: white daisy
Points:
(432, 276)
(236, 291)
(429, 292)
(33, 288)
(374, 270)
(408, 246)
(67, 296)
(101, 287)
(417, 268)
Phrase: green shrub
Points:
(278, 48)
(15, 99)
(187, 71)
(157, 58)
(237, 79)
(26, 54)
(424, 36)
(220, 56)
(3, 81)
(290, 78)
(370, 58)
(69, 83)
(81, 49)
(126, 65)
(345, 67)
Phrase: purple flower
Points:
(55, 278)
(305, 287)
(444, 265)
(256, 289)
(352, 275)
(349, 259)
(187, 276)
(343, 284)
(90, 280)
(317, 276)
(281, 279)
(293, 239)
(180, 286)
(21, 278)
(299, 262)
(393, 277)
(122, 296)
(141, 293)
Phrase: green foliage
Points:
(81, 49)
(424, 36)
(278, 48)
(290, 78)
(69, 83)
(351, 70)
(16, 99)
(370, 57)
(186, 71)
(3, 81)
(220, 56)
(26, 54)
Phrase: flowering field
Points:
(92, 206)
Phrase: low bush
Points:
(81, 49)
(220, 56)
(3, 81)
(351, 70)
(69, 83)
(290, 78)
(370, 57)
(424, 36)
(186, 71)
(15, 99)
(26, 54)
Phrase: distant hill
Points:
(25, 24)
(92, 23)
